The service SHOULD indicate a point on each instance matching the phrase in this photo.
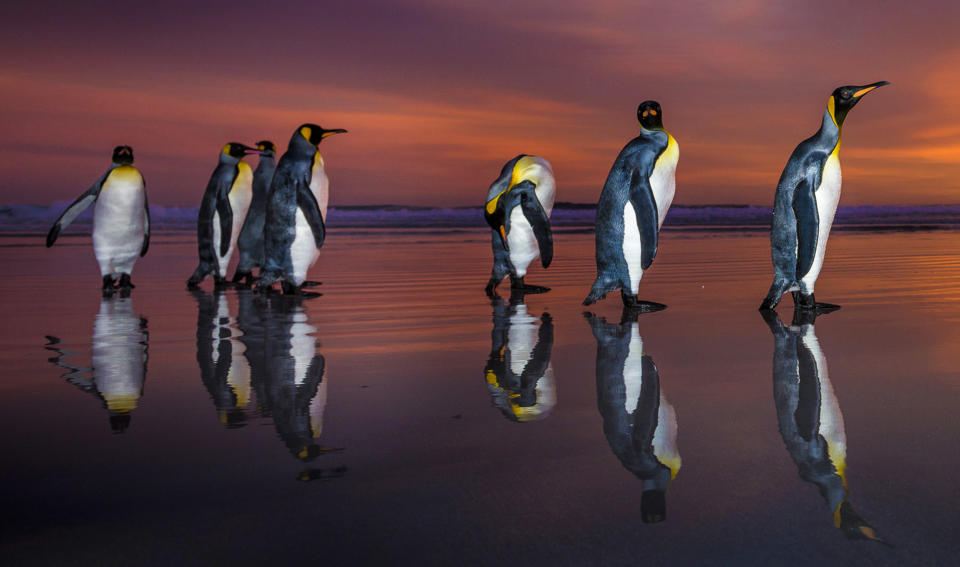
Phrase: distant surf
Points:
(570, 216)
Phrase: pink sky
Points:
(438, 95)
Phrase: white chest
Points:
(320, 185)
(663, 179)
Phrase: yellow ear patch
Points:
(306, 132)
(653, 112)
(646, 113)
(226, 149)
(862, 92)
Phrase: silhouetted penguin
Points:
(222, 212)
(296, 211)
(121, 220)
(250, 241)
(638, 422)
(806, 201)
(631, 209)
(809, 417)
(518, 210)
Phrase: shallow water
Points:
(393, 419)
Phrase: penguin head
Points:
(845, 98)
(123, 155)
(314, 134)
(238, 150)
(650, 115)
(267, 148)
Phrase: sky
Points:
(438, 94)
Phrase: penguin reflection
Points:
(286, 371)
(223, 368)
(119, 359)
(809, 417)
(519, 374)
(638, 422)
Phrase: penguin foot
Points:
(193, 284)
(125, 282)
(630, 302)
(291, 289)
(242, 278)
(491, 288)
(108, 285)
(517, 284)
(310, 283)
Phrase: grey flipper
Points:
(307, 203)
(645, 207)
(808, 225)
(538, 219)
(146, 223)
(215, 200)
(78, 206)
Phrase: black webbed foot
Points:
(517, 284)
(310, 283)
(108, 285)
(630, 302)
(291, 289)
(125, 282)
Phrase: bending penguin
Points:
(518, 210)
(631, 209)
(222, 211)
(805, 203)
(518, 371)
(296, 211)
(121, 220)
(250, 242)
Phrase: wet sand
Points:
(394, 395)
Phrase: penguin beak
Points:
(867, 88)
(249, 150)
(332, 132)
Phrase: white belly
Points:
(118, 224)
(663, 181)
(521, 339)
(303, 251)
(118, 354)
(831, 420)
(240, 196)
(633, 370)
(632, 247)
(522, 242)
(827, 197)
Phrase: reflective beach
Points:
(404, 417)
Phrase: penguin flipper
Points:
(808, 224)
(146, 223)
(540, 357)
(645, 207)
(226, 221)
(311, 210)
(86, 199)
(538, 219)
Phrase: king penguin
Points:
(296, 211)
(121, 220)
(805, 203)
(250, 241)
(809, 416)
(222, 211)
(634, 201)
(518, 210)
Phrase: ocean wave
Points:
(39, 218)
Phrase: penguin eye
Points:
(845, 94)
